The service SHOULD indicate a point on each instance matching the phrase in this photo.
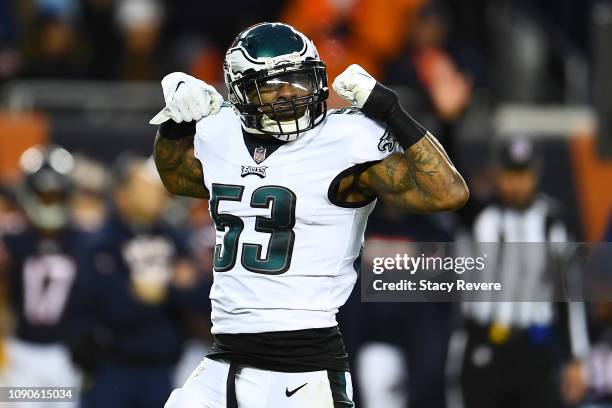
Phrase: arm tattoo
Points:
(395, 176)
(420, 179)
(178, 168)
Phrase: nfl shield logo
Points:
(259, 154)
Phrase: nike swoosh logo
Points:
(177, 87)
(290, 393)
(179, 84)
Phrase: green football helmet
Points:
(277, 83)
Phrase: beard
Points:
(284, 112)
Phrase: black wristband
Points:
(173, 131)
(383, 106)
(380, 102)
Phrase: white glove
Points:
(187, 98)
(354, 85)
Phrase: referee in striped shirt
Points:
(514, 351)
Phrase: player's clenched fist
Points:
(379, 103)
(187, 99)
(354, 85)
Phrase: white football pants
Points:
(255, 388)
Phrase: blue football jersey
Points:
(43, 281)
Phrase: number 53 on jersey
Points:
(281, 202)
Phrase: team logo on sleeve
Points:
(387, 142)
(259, 154)
(259, 171)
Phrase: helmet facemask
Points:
(283, 101)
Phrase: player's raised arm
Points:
(187, 100)
(422, 178)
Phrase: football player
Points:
(290, 186)
(140, 288)
(38, 265)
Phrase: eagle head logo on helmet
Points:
(276, 81)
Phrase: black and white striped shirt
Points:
(522, 268)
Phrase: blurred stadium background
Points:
(84, 75)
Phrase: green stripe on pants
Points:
(337, 383)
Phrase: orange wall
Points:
(17, 133)
(593, 179)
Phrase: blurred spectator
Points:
(63, 9)
(218, 21)
(399, 354)
(324, 23)
(100, 31)
(88, 201)
(467, 37)
(523, 58)
(53, 49)
(372, 47)
(538, 52)
(427, 66)
(107, 39)
(7, 24)
(140, 23)
(141, 286)
(448, 89)
(200, 244)
(349, 31)
(9, 58)
(515, 350)
(38, 264)
(197, 33)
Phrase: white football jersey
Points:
(285, 255)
